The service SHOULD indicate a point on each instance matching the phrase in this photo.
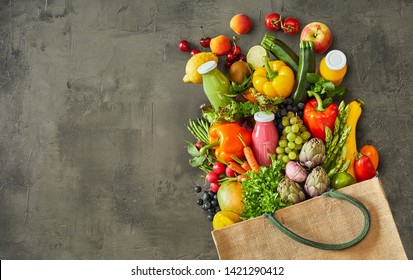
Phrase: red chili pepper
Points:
(316, 117)
(363, 168)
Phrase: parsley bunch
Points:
(260, 190)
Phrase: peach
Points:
(230, 197)
(220, 45)
(240, 24)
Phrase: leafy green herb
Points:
(267, 104)
(260, 190)
(230, 113)
(247, 82)
(325, 89)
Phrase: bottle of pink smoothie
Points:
(264, 137)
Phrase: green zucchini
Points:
(281, 51)
(306, 65)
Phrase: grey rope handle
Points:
(323, 246)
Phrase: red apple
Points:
(319, 33)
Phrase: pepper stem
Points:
(319, 107)
(203, 150)
(271, 74)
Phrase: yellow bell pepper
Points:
(275, 79)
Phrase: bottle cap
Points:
(264, 117)
(336, 60)
(207, 67)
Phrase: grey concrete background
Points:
(93, 110)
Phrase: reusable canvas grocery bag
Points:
(354, 223)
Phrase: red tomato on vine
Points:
(291, 26)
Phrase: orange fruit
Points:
(220, 45)
(230, 197)
(240, 24)
(225, 218)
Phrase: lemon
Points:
(191, 69)
(225, 218)
(254, 56)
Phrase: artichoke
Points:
(313, 153)
(317, 182)
(290, 191)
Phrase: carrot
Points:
(236, 167)
(243, 163)
(240, 178)
(246, 165)
(249, 156)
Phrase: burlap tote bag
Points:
(352, 223)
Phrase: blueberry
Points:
(300, 105)
(289, 108)
(206, 206)
(211, 193)
(210, 217)
(199, 202)
(280, 126)
(288, 101)
(283, 112)
(300, 114)
(206, 197)
(214, 202)
(278, 115)
(197, 189)
(295, 109)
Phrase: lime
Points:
(341, 180)
(254, 56)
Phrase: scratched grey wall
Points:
(93, 111)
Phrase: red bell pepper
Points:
(316, 117)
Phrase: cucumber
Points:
(306, 65)
(281, 51)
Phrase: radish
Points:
(212, 177)
(229, 172)
(218, 167)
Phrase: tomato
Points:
(364, 168)
(273, 22)
(372, 153)
(291, 26)
(341, 180)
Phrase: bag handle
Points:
(323, 246)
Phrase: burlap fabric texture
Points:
(321, 219)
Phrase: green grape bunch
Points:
(293, 136)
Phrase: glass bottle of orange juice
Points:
(333, 67)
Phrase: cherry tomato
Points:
(273, 22)
(363, 168)
(372, 153)
(291, 26)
